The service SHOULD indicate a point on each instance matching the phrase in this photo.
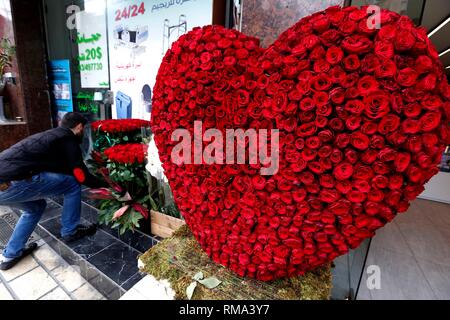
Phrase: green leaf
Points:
(115, 225)
(153, 204)
(210, 282)
(198, 276)
(190, 290)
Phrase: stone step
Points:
(107, 260)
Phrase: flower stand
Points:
(176, 260)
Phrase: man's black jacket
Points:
(56, 150)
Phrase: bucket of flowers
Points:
(119, 156)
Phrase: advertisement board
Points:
(140, 33)
(92, 41)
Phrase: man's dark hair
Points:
(72, 119)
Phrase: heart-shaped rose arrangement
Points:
(363, 120)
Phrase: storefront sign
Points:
(140, 33)
(61, 85)
(92, 43)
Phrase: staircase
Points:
(107, 260)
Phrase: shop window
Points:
(12, 108)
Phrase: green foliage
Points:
(130, 184)
(7, 51)
(171, 210)
(103, 140)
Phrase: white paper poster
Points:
(92, 40)
(140, 33)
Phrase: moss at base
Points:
(179, 258)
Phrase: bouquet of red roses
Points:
(108, 133)
(119, 156)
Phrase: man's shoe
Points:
(9, 263)
(81, 232)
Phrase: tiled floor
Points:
(413, 254)
(108, 260)
(44, 275)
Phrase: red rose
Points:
(375, 195)
(224, 43)
(412, 110)
(411, 126)
(334, 55)
(370, 63)
(342, 140)
(356, 44)
(387, 69)
(384, 49)
(401, 161)
(427, 83)
(404, 40)
(356, 196)
(407, 77)
(387, 32)
(431, 102)
(321, 82)
(367, 84)
(337, 95)
(429, 140)
(369, 128)
(351, 62)
(229, 61)
(321, 100)
(423, 64)
(343, 171)
(430, 121)
(306, 130)
(388, 123)
(359, 140)
(415, 174)
(377, 105)
(369, 156)
(363, 172)
(325, 135)
(325, 151)
(336, 156)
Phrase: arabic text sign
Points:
(168, 4)
(93, 50)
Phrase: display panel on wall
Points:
(140, 32)
(267, 19)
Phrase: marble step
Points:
(107, 260)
